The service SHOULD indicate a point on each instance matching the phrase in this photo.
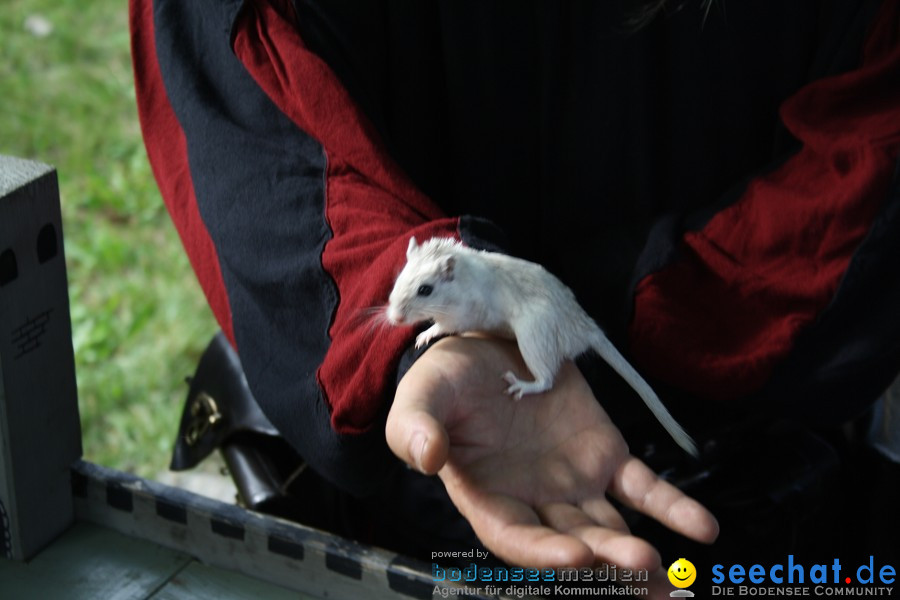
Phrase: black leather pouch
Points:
(220, 413)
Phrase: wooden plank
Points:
(199, 581)
(285, 554)
(90, 562)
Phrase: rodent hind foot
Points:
(519, 387)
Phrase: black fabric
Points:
(825, 382)
(259, 183)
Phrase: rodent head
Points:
(424, 289)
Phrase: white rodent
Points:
(462, 290)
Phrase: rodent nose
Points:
(395, 317)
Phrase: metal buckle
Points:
(204, 415)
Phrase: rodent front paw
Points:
(426, 336)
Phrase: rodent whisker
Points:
(375, 317)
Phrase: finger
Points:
(636, 486)
(613, 546)
(513, 531)
(416, 436)
(604, 513)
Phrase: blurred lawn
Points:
(139, 319)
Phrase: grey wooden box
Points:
(40, 434)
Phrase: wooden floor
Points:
(92, 562)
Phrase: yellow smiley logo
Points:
(682, 573)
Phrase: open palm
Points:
(531, 476)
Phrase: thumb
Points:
(416, 436)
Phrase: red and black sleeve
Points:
(295, 219)
(788, 293)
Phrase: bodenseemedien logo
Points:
(682, 574)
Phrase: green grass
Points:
(139, 319)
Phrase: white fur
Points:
(474, 290)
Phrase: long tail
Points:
(614, 358)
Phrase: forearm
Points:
(785, 291)
(294, 218)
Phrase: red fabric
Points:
(167, 151)
(371, 208)
(719, 319)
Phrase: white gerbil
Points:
(461, 289)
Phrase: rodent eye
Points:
(425, 290)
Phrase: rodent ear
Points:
(447, 267)
(413, 244)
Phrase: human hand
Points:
(531, 476)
